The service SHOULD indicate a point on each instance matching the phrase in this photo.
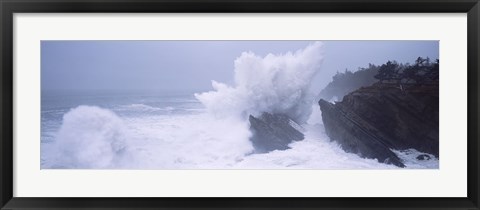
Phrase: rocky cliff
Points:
(372, 120)
(273, 132)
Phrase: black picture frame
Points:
(9, 7)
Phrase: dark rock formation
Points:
(273, 132)
(354, 135)
(372, 120)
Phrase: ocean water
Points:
(147, 130)
(199, 129)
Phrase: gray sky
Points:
(191, 65)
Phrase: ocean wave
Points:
(274, 83)
(143, 107)
(89, 137)
(96, 138)
(92, 137)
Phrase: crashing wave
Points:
(275, 84)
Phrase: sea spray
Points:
(274, 83)
(90, 137)
(188, 141)
(97, 138)
(152, 136)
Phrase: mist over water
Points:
(203, 130)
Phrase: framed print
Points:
(239, 105)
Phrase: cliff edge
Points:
(375, 119)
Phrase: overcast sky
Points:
(191, 65)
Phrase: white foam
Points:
(274, 83)
(143, 107)
(216, 137)
(409, 158)
(90, 137)
(188, 141)
(316, 151)
(316, 115)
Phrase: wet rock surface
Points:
(273, 132)
(372, 120)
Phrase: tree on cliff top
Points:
(388, 71)
(423, 71)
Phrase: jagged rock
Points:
(372, 120)
(354, 135)
(273, 132)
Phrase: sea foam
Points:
(90, 137)
(274, 83)
(216, 137)
(96, 138)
